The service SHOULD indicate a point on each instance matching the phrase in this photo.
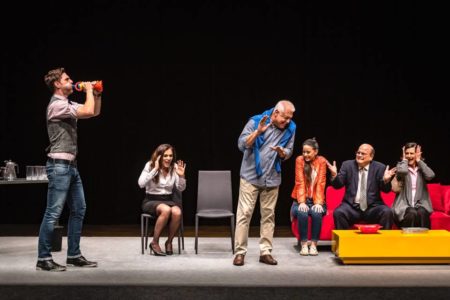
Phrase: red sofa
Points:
(440, 218)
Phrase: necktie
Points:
(362, 191)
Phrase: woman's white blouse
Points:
(165, 184)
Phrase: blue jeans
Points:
(302, 217)
(64, 183)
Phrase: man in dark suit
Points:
(363, 179)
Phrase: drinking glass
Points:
(44, 173)
(30, 172)
(34, 175)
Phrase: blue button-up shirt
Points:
(272, 137)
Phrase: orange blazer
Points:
(300, 191)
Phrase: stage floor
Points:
(121, 263)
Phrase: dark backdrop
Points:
(190, 73)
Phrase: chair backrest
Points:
(436, 191)
(334, 197)
(214, 190)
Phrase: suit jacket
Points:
(403, 198)
(348, 177)
(300, 191)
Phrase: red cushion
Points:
(446, 198)
(334, 197)
(327, 226)
(294, 228)
(388, 198)
(440, 220)
(435, 191)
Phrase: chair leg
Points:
(232, 233)
(142, 234)
(146, 221)
(182, 233)
(196, 234)
(179, 241)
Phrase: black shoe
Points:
(49, 265)
(81, 262)
(169, 249)
(156, 250)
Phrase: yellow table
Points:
(392, 247)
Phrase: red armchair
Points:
(440, 218)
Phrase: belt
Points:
(63, 161)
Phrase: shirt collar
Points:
(60, 97)
(413, 170)
(364, 168)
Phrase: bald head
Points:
(282, 113)
(285, 105)
(370, 147)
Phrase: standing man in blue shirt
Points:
(267, 139)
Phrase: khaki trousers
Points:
(248, 195)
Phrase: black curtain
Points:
(192, 73)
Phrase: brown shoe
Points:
(239, 260)
(267, 259)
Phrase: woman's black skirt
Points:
(152, 201)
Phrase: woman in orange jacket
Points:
(309, 194)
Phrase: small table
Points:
(392, 247)
(22, 181)
(57, 233)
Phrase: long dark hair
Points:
(307, 170)
(160, 151)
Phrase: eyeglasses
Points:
(284, 116)
(361, 153)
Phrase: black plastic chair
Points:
(145, 220)
(214, 200)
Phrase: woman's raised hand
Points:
(180, 168)
(156, 163)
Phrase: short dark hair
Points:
(410, 145)
(413, 145)
(52, 76)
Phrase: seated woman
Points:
(412, 205)
(309, 193)
(159, 176)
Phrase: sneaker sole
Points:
(85, 266)
(52, 270)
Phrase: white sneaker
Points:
(313, 251)
(304, 250)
